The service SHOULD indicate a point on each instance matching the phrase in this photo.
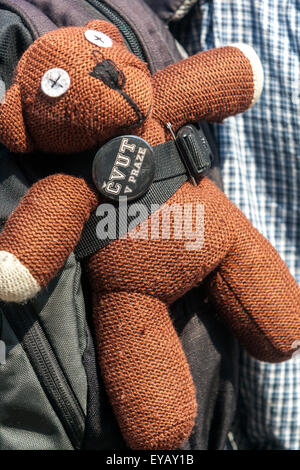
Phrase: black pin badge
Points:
(124, 166)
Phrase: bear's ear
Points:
(13, 132)
(106, 28)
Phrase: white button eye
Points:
(98, 38)
(55, 82)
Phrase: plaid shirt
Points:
(260, 157)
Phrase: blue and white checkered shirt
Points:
(260, 158)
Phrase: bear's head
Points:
(74, 88)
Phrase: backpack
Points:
(51, 393)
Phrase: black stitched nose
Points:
(109, 74)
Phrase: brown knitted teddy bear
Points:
(75, 89)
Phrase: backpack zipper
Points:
(129, 35)
(49, 372)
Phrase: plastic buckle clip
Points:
(194, 149)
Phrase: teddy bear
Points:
(76, 89)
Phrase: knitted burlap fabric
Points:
(244, 280)
(135, 280)
(180, 81)
(145, 369)
(52, 214)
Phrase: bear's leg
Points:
(41, 233)
(247, 280)
(145, 371)
(254, 291)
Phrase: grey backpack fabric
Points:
(51, 393)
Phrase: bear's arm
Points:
(41, 233)
(210, 85)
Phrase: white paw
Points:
(16, 282)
